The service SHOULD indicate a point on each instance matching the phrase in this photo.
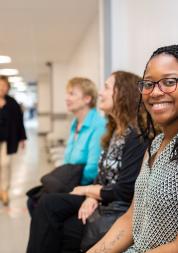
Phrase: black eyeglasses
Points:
(166, 85)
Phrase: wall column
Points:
(44, 104)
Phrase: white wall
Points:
(59, 80)
(44, 104)
(60, 123)
(138, 28)
(84, 62)
(44, 96)
(86, 58)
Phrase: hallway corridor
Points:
(28, 166)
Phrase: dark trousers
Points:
(55, 227)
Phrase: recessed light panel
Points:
(14, 79)
(9, 72)
(5, 59)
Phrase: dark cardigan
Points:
(16, 130)
(133, 153)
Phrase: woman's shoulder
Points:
(12, 104)
(156, 142)
(10, 100)
(98, 119)
(134, 137)
(132, 133)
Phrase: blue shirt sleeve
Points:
(91, 169)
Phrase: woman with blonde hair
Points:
(83, 146)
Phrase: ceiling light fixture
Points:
(15, 79)
(19, 84)
(5, 59)
(9, 72)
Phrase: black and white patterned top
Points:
(155, 220)
(111, 160)
(120, 165)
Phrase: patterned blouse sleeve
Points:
(133, 153)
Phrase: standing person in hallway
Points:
(12, 135)
(151, 224)
(59, 219)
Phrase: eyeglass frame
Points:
(159, 86)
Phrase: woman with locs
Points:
(151, 223)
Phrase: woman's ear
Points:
(88, 99)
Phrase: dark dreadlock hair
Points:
(149, 130)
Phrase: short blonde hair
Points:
(87, 86)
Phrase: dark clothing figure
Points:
(12, 131)
(55, 226)
(14, 122)
(4, 123)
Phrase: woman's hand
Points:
(80, 190)
(22, 145)
(92, 191)
(87, 208)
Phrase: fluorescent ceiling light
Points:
(5, 59)
(9, 72)
(21, 89)
(19, 84)
(15, 79)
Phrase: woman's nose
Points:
(100, 94)
(156, 91)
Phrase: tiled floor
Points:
(28, 166)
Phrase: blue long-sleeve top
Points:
(87, 147)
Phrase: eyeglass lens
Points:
(166, 85)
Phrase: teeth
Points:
(161, 106)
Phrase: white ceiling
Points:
(33, 32)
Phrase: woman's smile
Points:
(161, 107)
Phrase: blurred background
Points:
(43, 44)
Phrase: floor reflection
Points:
(28, 166)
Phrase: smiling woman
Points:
(151, 223)
(161, 168)
(162, 101)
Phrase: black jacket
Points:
(16, 130)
